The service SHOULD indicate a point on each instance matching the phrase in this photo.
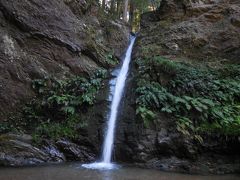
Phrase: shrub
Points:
(55, 130)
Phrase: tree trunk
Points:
(131, 12)
(103, 4)
(119, 8)
(125, 11)
(112, 8)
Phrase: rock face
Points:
(18, 150)
(194, 30)
(57, 38)
(51, 38)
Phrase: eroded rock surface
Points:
(199, 29)
(51, 38)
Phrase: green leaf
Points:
(68, 109)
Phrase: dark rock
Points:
(236, 21)
(164, 145)
(18, 150)
(53, 152)
(14, 152)
(75, 152)
(172, 164)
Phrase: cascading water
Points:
(117, 95)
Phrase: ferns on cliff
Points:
(56, 110)
(200, 98)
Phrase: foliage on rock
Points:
(56, 110)
(202, 99)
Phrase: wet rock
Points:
(14, 152)
(73, 151)
(170, 164)
(164, 145)
(143, 156)
(52, 151)
(18, 150)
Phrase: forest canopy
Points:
(129, 10)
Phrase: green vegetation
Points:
(6, 127)
(55, 130)
(111, 59)
(56, 110)
(201, 99)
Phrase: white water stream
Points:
(117, 95)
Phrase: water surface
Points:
(76, 172)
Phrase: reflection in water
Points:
(76, 172)
(107, 175)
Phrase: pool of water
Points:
(77, 172)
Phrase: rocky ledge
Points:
(19, 150)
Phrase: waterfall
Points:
(117, 95)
